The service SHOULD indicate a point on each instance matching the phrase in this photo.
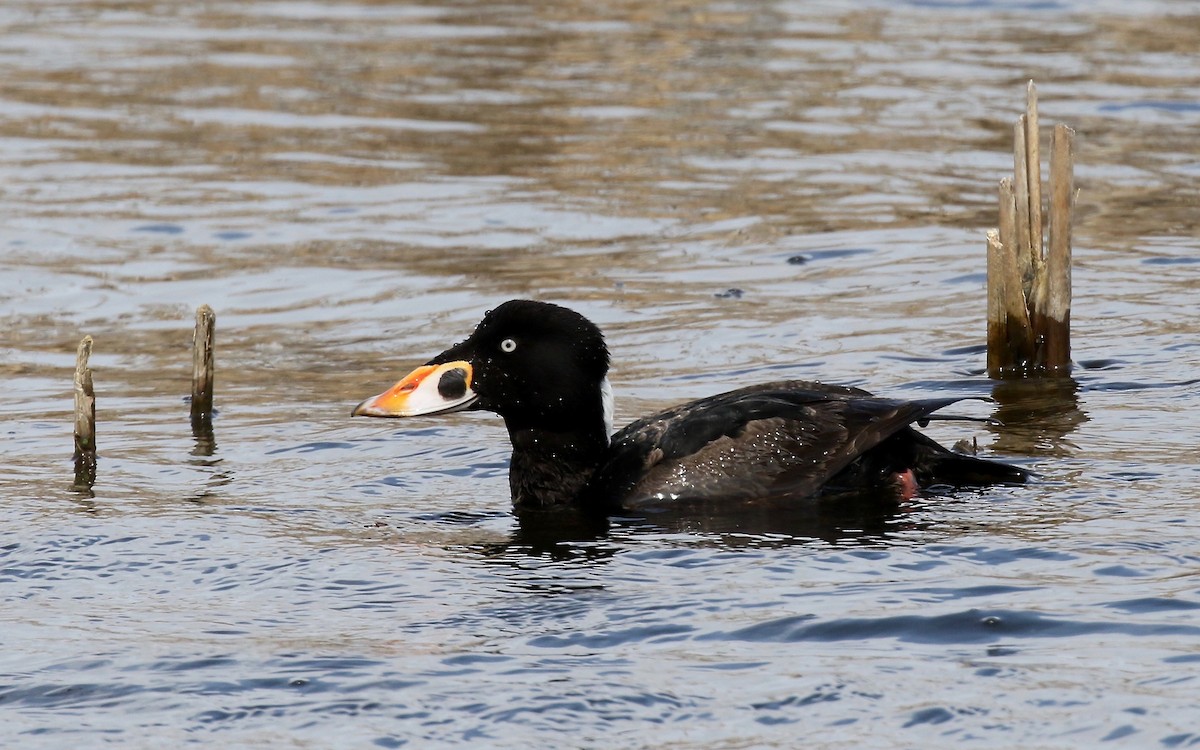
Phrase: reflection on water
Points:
(203, 456)
(561, 534)
(845, 519)
(1037, 416)
(351, 184)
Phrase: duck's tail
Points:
(934, 464)
(910, 455)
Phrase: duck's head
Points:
(538, 365)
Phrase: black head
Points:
(536, 364)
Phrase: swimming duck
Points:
(544, 369)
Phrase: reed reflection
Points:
(1036, 416)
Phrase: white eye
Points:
(508, 345)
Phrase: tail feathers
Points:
(935, 464)
(930, 463)
(961, 470)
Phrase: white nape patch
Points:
(606, 398)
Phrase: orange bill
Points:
(429, 389)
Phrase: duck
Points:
(543, 368)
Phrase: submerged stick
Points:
(85, 418)
(202, 365)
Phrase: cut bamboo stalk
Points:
(85, 418)
(1029, 281)
(202, 366)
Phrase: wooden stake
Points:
(85, 419)
(202, 365)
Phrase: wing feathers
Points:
(776, 439)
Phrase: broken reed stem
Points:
(202, 366)
(1029, 291)
(1033, 163)
(1020, 238)
(85, 418)
(997, 331)
(85, 399)
(1055, 310)
(1011, 281)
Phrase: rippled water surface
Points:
(736, 191)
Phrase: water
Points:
(736, 192)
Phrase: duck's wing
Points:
(773, 440)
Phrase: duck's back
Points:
(781, 439)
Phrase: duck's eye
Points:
(508, 345)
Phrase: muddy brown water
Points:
(736, 191)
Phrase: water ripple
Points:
(968, 626)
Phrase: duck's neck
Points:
(552, 463)
(551, 468)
